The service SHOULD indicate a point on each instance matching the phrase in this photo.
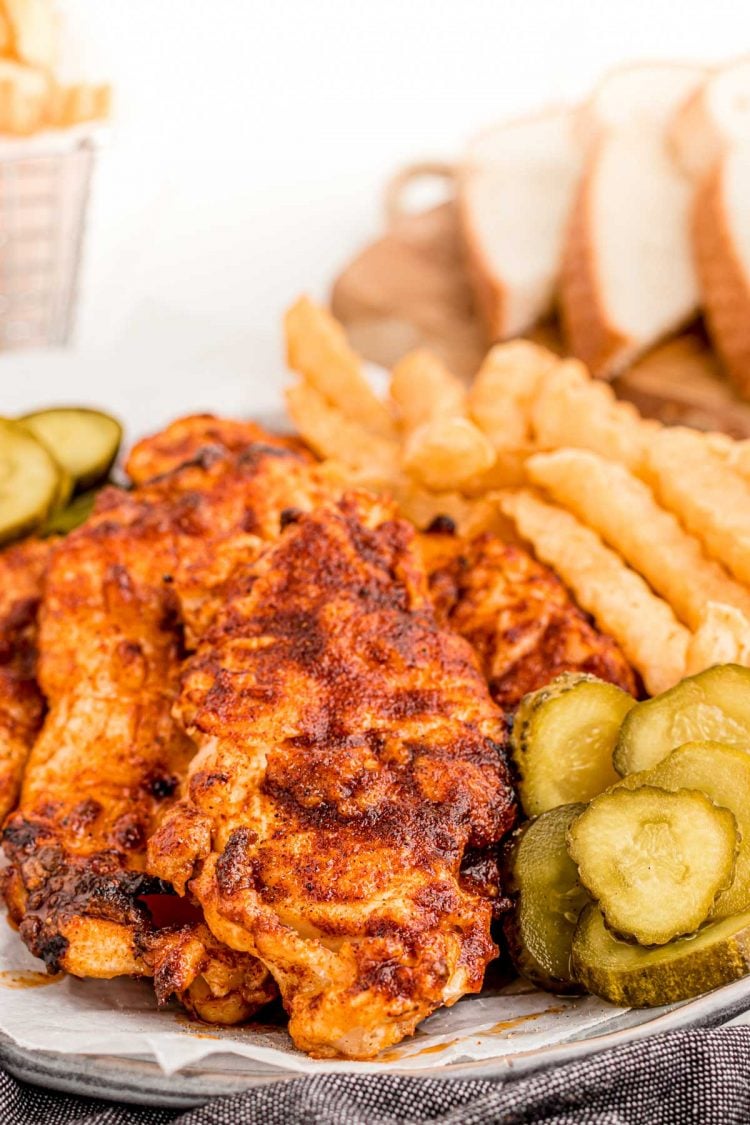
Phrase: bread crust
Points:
(490, 294)
(493, 297)
(692, 137)
(588, 331)
(724, 282)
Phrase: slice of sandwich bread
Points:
(628, 278)
(721, 240)
(516, 187)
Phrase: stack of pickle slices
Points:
(51, 462)
(632, 876)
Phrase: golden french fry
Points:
(422, 388)
(6, 37)
(506, 383)
(722, 637)
(507, 471)
(422, 507)
(643, 624)
(317, 348)
(33, 31)
(447, 451)
(623, 510)
(443, 448)
(736, 454)
(24, 98)
(708, 496)
(330, 433)
(72, 105)
(572, 409)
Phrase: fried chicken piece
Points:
(351, 760)
(186, 438)
(110, 755)
(517, 615)
(21, 703)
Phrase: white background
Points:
(250, 146)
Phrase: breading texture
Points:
(352, 769)
(21, 702)
(517, 615)
(189, 437)
(112, 638)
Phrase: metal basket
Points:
(43, 197)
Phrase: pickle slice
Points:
(654, 860)
(723, 774)
(562, 741)
(85, 442)
(712, 706)
(634, 977)
(29, 481)
(540, 931)
(62, 521)
(65, 486)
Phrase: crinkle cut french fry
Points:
(442, 447)
(722, 637)
(72, 105)
(736, 454)
(422, 389)
(500, 397)
(317, 348)
(507, 471)
(623, 510)
(6, 36)
(422, 507)
(24, 98)
(445, 452)
(709, 497)
(33, 31)
(572, 409)
(330, 433)
(622, 604)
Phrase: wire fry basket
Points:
(43, 198)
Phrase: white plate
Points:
(133, 1077)
(140, 1081)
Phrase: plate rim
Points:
(138, 1081)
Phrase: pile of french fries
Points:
(648, 526)
(31, 99)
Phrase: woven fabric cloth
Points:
(689, 1076)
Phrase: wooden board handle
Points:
(396, 188)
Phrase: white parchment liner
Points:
(120, 1017)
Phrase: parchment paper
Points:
(120, 1017)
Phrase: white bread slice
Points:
(645, 94)
(721, 241)
(628, 277)
(515, 190)
(717, 114)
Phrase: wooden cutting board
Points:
(410, 288)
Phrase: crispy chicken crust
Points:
(188, 437)
(21, 703)
(517, 615)
(110, 756)
(351, 760)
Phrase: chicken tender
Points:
(517, 615)
(352, 770)
(110, 756)
(21, 703)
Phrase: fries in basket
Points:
(31, 99)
